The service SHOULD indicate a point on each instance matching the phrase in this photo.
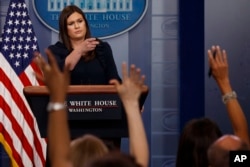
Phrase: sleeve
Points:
(104, 52)
(60, 52)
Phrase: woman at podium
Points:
(90, 60)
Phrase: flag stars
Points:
(29, 22)
(18, 55)
(29, 31)
(11, 14)
(5, 47)
(11, 55)
(19, 47)
(23, 22)
(8, 31)
(24, 14)
(20, 39)
(13, 39)
(17, 22)
(34, 47)
(18, 13)
(25, 55)
(13, 47)
(10, 22)
(7, 39)
(26, 47)
(22, 30)
(28, 39)
(19, 5)
(15, 31)
(17, 64)
(24, 5)
(13, 5)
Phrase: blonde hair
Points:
(86, 148)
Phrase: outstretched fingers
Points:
(52, 61)
(132, 72)
(224, 56)
(221, 56)
(38, 59)
(135, 75)
(124, 71)
(142, 80)
(210, 57)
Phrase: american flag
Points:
(19, 133)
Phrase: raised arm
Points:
(129, 92)
(219, 66)
(58, 132)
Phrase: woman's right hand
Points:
(86, 46)
(80, 49)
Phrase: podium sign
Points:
(95, 109)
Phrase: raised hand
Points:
(218, 63)
(132, 84)
(129, 91)
(58, 131)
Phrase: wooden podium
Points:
(94, 109)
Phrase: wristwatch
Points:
(55, 106)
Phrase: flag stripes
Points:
(19, 131)
(21, 113)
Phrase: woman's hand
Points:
(86, 46)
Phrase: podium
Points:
(92, 109)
